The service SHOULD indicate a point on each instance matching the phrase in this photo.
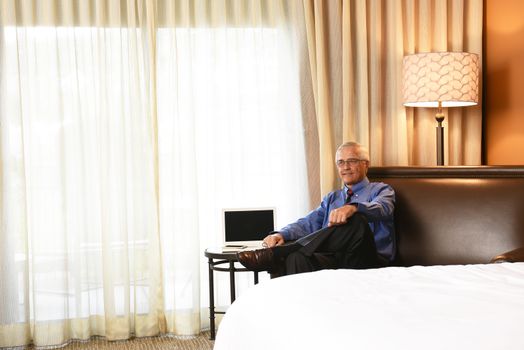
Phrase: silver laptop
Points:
(246, 228)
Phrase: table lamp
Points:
(441, 79)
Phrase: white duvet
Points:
(436, 307)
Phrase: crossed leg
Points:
(349, 246)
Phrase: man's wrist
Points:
(355, 205)
(280, 233)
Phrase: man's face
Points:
(352, 170)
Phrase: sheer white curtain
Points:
(126, 126)
(79, 219)
(230, 135)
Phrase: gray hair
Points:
(362, 151)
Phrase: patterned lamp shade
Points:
(449, 77)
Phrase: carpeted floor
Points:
(200, 342)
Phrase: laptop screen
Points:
(247, 226)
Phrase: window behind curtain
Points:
(230, 136)
(77, 172)
(79, 199)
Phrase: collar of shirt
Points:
(358, 186)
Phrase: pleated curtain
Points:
(126, 128)
(356, 49)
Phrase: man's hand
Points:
(341, 215)
(273, 240)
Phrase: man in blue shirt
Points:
(352, 228)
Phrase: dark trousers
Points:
(348, 246)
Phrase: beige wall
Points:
(504, 82)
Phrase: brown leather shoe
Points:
(257, 260)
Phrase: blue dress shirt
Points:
(376, 200)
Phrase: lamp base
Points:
(440, 140)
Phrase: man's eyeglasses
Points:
(350, 161)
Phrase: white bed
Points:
(436, 307)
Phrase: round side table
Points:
(222, 260)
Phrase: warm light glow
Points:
(449, 77)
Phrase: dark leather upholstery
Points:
(516, 255)
(455, 215)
